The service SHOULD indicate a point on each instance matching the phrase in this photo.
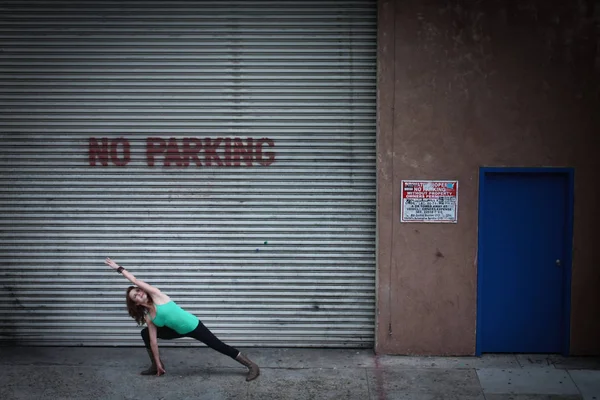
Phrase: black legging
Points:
(201, 333)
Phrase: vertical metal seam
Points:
(392, 172)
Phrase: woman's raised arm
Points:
(131, 278)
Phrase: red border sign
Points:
(429, 201)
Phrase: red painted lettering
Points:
(210, 151)
(98, 151)
(154, 146)
(260, 156)
(183, 152)
(227, 152)
(173, 155)
(246, 151)
(114, 153)
(191, 148)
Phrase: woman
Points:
(166, 320)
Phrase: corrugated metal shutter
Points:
(276, 251)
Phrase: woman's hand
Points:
(160, 370)
(111, 263)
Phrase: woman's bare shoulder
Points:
(160, 298)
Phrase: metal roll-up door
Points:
(221, 150)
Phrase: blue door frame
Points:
(568, 173)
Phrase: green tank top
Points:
(175, 317)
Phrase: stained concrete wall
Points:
(465, 84)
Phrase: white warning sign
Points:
(429, 201)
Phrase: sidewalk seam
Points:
(368, 384)
(574, 383)
(480, 385)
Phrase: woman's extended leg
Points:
(203, 334)
(161, 333)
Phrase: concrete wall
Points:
(462, 87)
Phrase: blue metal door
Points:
(523, 262)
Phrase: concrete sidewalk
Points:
(201, 373)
